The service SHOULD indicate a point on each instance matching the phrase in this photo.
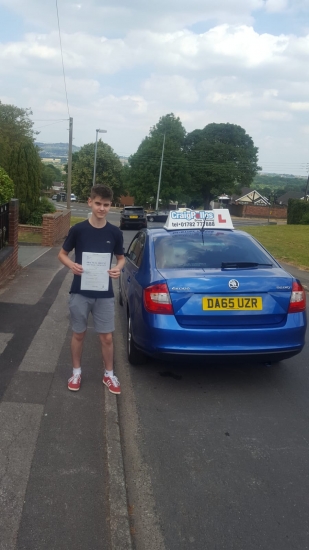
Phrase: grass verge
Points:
(75, 219)
(287, 243)
(32, 238)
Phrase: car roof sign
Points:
(199, 219)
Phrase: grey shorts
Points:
(102, 309)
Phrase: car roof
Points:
(161, 231)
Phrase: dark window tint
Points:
(139, 249)
(208, 250)
(133, 211)
(135, 251)
(131, 250)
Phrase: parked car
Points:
(133, 217)
(54, 197)
(61, 197)
(197, 287)
(73, 197)
(157, 216)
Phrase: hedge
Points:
(298, 212)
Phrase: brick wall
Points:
(9, 254)
(30, 228)
(253, 211)
(55, 227)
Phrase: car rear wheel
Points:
(135, 356)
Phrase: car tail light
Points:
(157, 299)
(298, 298)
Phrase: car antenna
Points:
(202, 230)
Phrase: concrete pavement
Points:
(62, 480)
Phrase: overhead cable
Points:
(65, 85)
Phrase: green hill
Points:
(55, 150)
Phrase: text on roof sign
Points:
(199, 219)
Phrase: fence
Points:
(4, 224)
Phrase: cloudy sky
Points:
(128, 62)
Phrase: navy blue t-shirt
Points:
(83, 237)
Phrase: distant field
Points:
(287, 243)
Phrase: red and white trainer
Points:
(74, 382)
(113, 384)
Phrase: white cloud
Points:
(300, 106)
(120, 15)
(276, 115)
(170, 89)
(276, 6)
(180, 50)
(240, 99)
(127, 64)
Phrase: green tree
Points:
(50, 173)
(15, 126)
(222, 158)
(142, 177)
(6, 187)
(25, 171)
(109, 170)
(19, 157)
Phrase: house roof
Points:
(284, 199)
(253, 197)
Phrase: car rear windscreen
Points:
(208, 249)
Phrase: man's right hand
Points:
(77, 269)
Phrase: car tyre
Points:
(150, 219)
(135, 356)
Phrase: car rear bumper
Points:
(162, 336)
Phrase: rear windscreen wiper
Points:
(230, 265)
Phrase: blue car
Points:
(197, 287)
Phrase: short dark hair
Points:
(101, 191)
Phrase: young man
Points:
(96, 237)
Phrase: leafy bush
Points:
(44, 207)
(298, 212)
(305, 218)
(6, 187)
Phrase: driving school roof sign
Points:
(199, 219)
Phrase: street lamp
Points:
(98, 131)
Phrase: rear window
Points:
(206, 250)
(133, 210)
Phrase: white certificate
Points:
(95, 266)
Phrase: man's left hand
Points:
(114, 272)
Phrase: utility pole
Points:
(159, 183)
(306, 190)
(70, 164)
